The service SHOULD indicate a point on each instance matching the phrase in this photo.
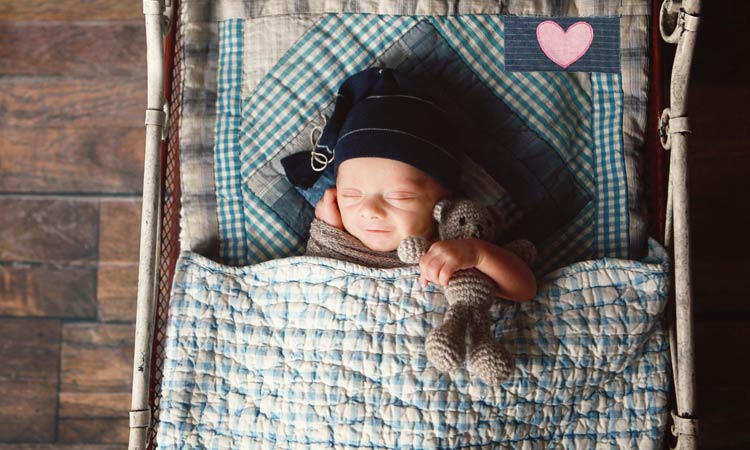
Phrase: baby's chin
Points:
(380, 247)
(380, 244)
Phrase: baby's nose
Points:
(371, 209)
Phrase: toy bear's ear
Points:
(440, 209)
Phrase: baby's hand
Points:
(327, 209)
(446, 257)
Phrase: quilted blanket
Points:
(308, 352)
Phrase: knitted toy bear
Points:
(469, 295)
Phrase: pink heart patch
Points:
(564, 47)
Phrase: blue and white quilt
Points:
(314, 353)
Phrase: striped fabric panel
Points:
(612, 196)
(634, 77)
(199, 228)
(524, 52)
(228, 120)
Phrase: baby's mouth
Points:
(379, 228)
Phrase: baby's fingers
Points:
(327, 209)
(434, 269)
(424, 272)
(329, 200)
(330, 195)
(445, 274)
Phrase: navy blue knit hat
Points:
(382, 113)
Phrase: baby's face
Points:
(383, 201)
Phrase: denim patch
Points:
(294, 210)
(316, 191)
(573, 44)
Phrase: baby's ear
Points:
(440, 209)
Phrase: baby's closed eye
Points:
(349, 193)
(402, 195)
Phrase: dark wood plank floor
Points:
(72, 100)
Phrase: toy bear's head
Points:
(463, 219)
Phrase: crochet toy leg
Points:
(446, 344)
(489, 359)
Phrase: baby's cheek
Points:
(421, 226)
(345, 215)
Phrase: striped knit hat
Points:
(382, 113)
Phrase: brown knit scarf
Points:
(331, 242)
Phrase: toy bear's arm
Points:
(412, 248)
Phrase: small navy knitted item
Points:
(382, 113)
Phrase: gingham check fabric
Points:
(310, 352)
(230, 208)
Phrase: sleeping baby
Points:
(395, 156)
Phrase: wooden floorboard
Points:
(80, 49)
(69, 159)
(30, 352)
(723, 413)
(70, 10)
(117, 286)
(120, 224)
(93, 431)
(719, 184)
(54, 102)
(96, 363)
(49, 230)
(62, 291)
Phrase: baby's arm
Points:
(327, 209)
(513, 277)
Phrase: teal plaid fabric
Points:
(612, 188)
(230, 207)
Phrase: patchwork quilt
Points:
(305, 352)
(309, 352)
(550, 98)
